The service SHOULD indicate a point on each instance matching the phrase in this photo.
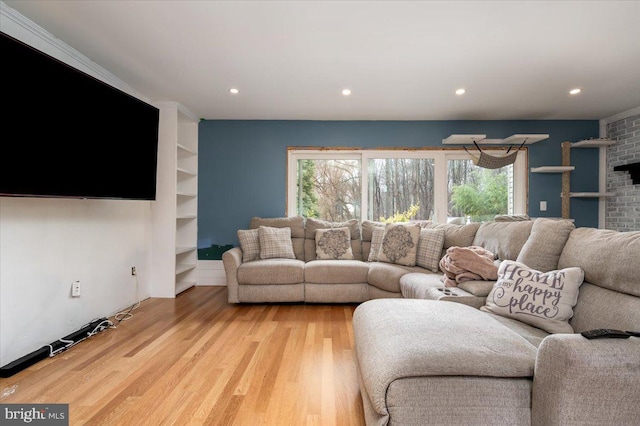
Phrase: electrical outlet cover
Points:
(75, 289)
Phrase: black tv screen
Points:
(67, 134)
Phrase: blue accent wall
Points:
(242, 163)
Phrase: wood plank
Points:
(198, 360)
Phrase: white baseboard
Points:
(211, 273)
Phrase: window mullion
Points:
(440, 188)
(364, 186)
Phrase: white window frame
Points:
(440, 157)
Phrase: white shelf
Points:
(462, 139)
(552, 169)
(186, 172)
(186, 149)
(187, 216)
(187, 194)
(590, 194)
(593, 143)
(184, 285)
(180, 250)
(181, 268)
(517, 139)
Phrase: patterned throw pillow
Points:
(376, 242)
(249, 244)
(430, 248)
(333, 243)
(275, 243)
(400, 244)
(542, 299)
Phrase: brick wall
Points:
(623, 209)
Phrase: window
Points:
(329, 189)
(475, 194)
(398, 185)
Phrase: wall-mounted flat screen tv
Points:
(66, 134)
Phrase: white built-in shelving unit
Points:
(174, 254)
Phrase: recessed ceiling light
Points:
(346, 92)
(460, 92)
(574, 91)
(234, 91)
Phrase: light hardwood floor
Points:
(198, 360)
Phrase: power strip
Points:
(56, 347)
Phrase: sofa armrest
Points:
(232, 259)
(581, 381)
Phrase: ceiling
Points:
(401, 60)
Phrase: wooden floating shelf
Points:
(186, 172)
(593, 143)
(187, 194)
(590, 194)
(552, 169)
(482, 139)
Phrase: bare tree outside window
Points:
(397, 185)
(329, 189)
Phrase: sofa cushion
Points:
(430, 248)
(275, 243)
(414, 284)
(271, 271)
(503, 239)
(377, 234)
(402, 338)
(599, 307)
(400, 244)
(249, 244)
(457, 235)
(534, 335)
(609, 258)
(544, 246)
(478, 288)
(386, 276)
(336, 272)
(367, 228)
(511, 217)
(312, 225)
(333, 244)
(297, 230)
(542, 299)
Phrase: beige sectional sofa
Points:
(306, 279)
(424, 360)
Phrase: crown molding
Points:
(19, 27)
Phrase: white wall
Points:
(46, 244)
